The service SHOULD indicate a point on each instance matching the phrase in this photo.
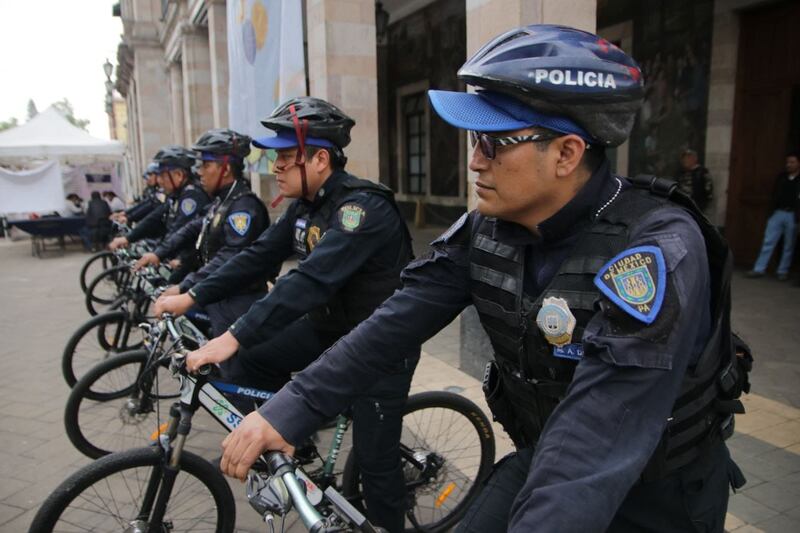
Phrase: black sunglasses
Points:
(489, 143)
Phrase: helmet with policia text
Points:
(175, 157)
(218, 143)
(555, 77)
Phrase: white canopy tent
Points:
(50, 137)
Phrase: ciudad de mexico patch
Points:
(635, 280)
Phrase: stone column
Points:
(487, 19)
(342, 69)
(196, 62)
(721, 96)
(150, 80)
(176, 101)
(217, 41)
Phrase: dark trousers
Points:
(377, 414)
(693, 499)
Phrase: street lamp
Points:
(108, 68)
(381, 22)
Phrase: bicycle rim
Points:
(110, 495)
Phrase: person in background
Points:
(73, 207)
(97, 221)
(114, 201)
(695, 180)
(782, 222)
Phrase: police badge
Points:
(556, 321)
(188, 206)
(635, 280)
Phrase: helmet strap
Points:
(300, 158)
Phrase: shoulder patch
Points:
(188, 206)
(635, 281)
(240, 222)
(351, 216)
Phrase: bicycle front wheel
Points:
(96, 340)
(447, 449)
(111, 409)
(96, 264)
(106, 289)
(118, 493)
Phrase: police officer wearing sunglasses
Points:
(604, 299)
(352, 245)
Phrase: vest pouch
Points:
(498, 403)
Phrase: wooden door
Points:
(767, 74)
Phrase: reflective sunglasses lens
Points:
(487, 146)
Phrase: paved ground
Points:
(41, 305)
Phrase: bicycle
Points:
(114, 331)
(442, 469)
(100, 261)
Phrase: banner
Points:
(265, 60)
(39, 189)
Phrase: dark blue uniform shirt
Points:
(181, 207)
(597, 442)
(234, 239)
(338, 255)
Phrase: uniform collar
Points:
(570, 219)
(331, 184)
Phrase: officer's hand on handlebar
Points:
(247, 442)
(118, 242)
(147, 259)
(172, 290)
(214, 351)
(177, 305)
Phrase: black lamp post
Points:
(381, 23)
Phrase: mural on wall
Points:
(672, 43)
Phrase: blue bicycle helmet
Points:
(561, 72)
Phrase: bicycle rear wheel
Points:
(96, 340)
(116, 493)
(447, 449)
(109, 410)
(96, 264)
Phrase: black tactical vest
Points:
(533, 380)
(212, 236)
(174, 205)
(364, 291)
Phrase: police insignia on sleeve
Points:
(351, 216)
(635, 281)
(556, 321)
(240, 222)
(313, 237)
(188, 206)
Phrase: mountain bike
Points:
(447, 444)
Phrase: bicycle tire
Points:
(460, 417)
(108, 412)
(91, 344)
(105, 259)
(115, 280)
(110, 474)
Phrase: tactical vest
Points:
(212, 236)
(529, 380)
(364, 291)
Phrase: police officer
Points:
(186, 200)
(151, 198)
(234, 220)
(605, 300)
(352, 244)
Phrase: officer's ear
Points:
(323, 159)
(570, 153)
